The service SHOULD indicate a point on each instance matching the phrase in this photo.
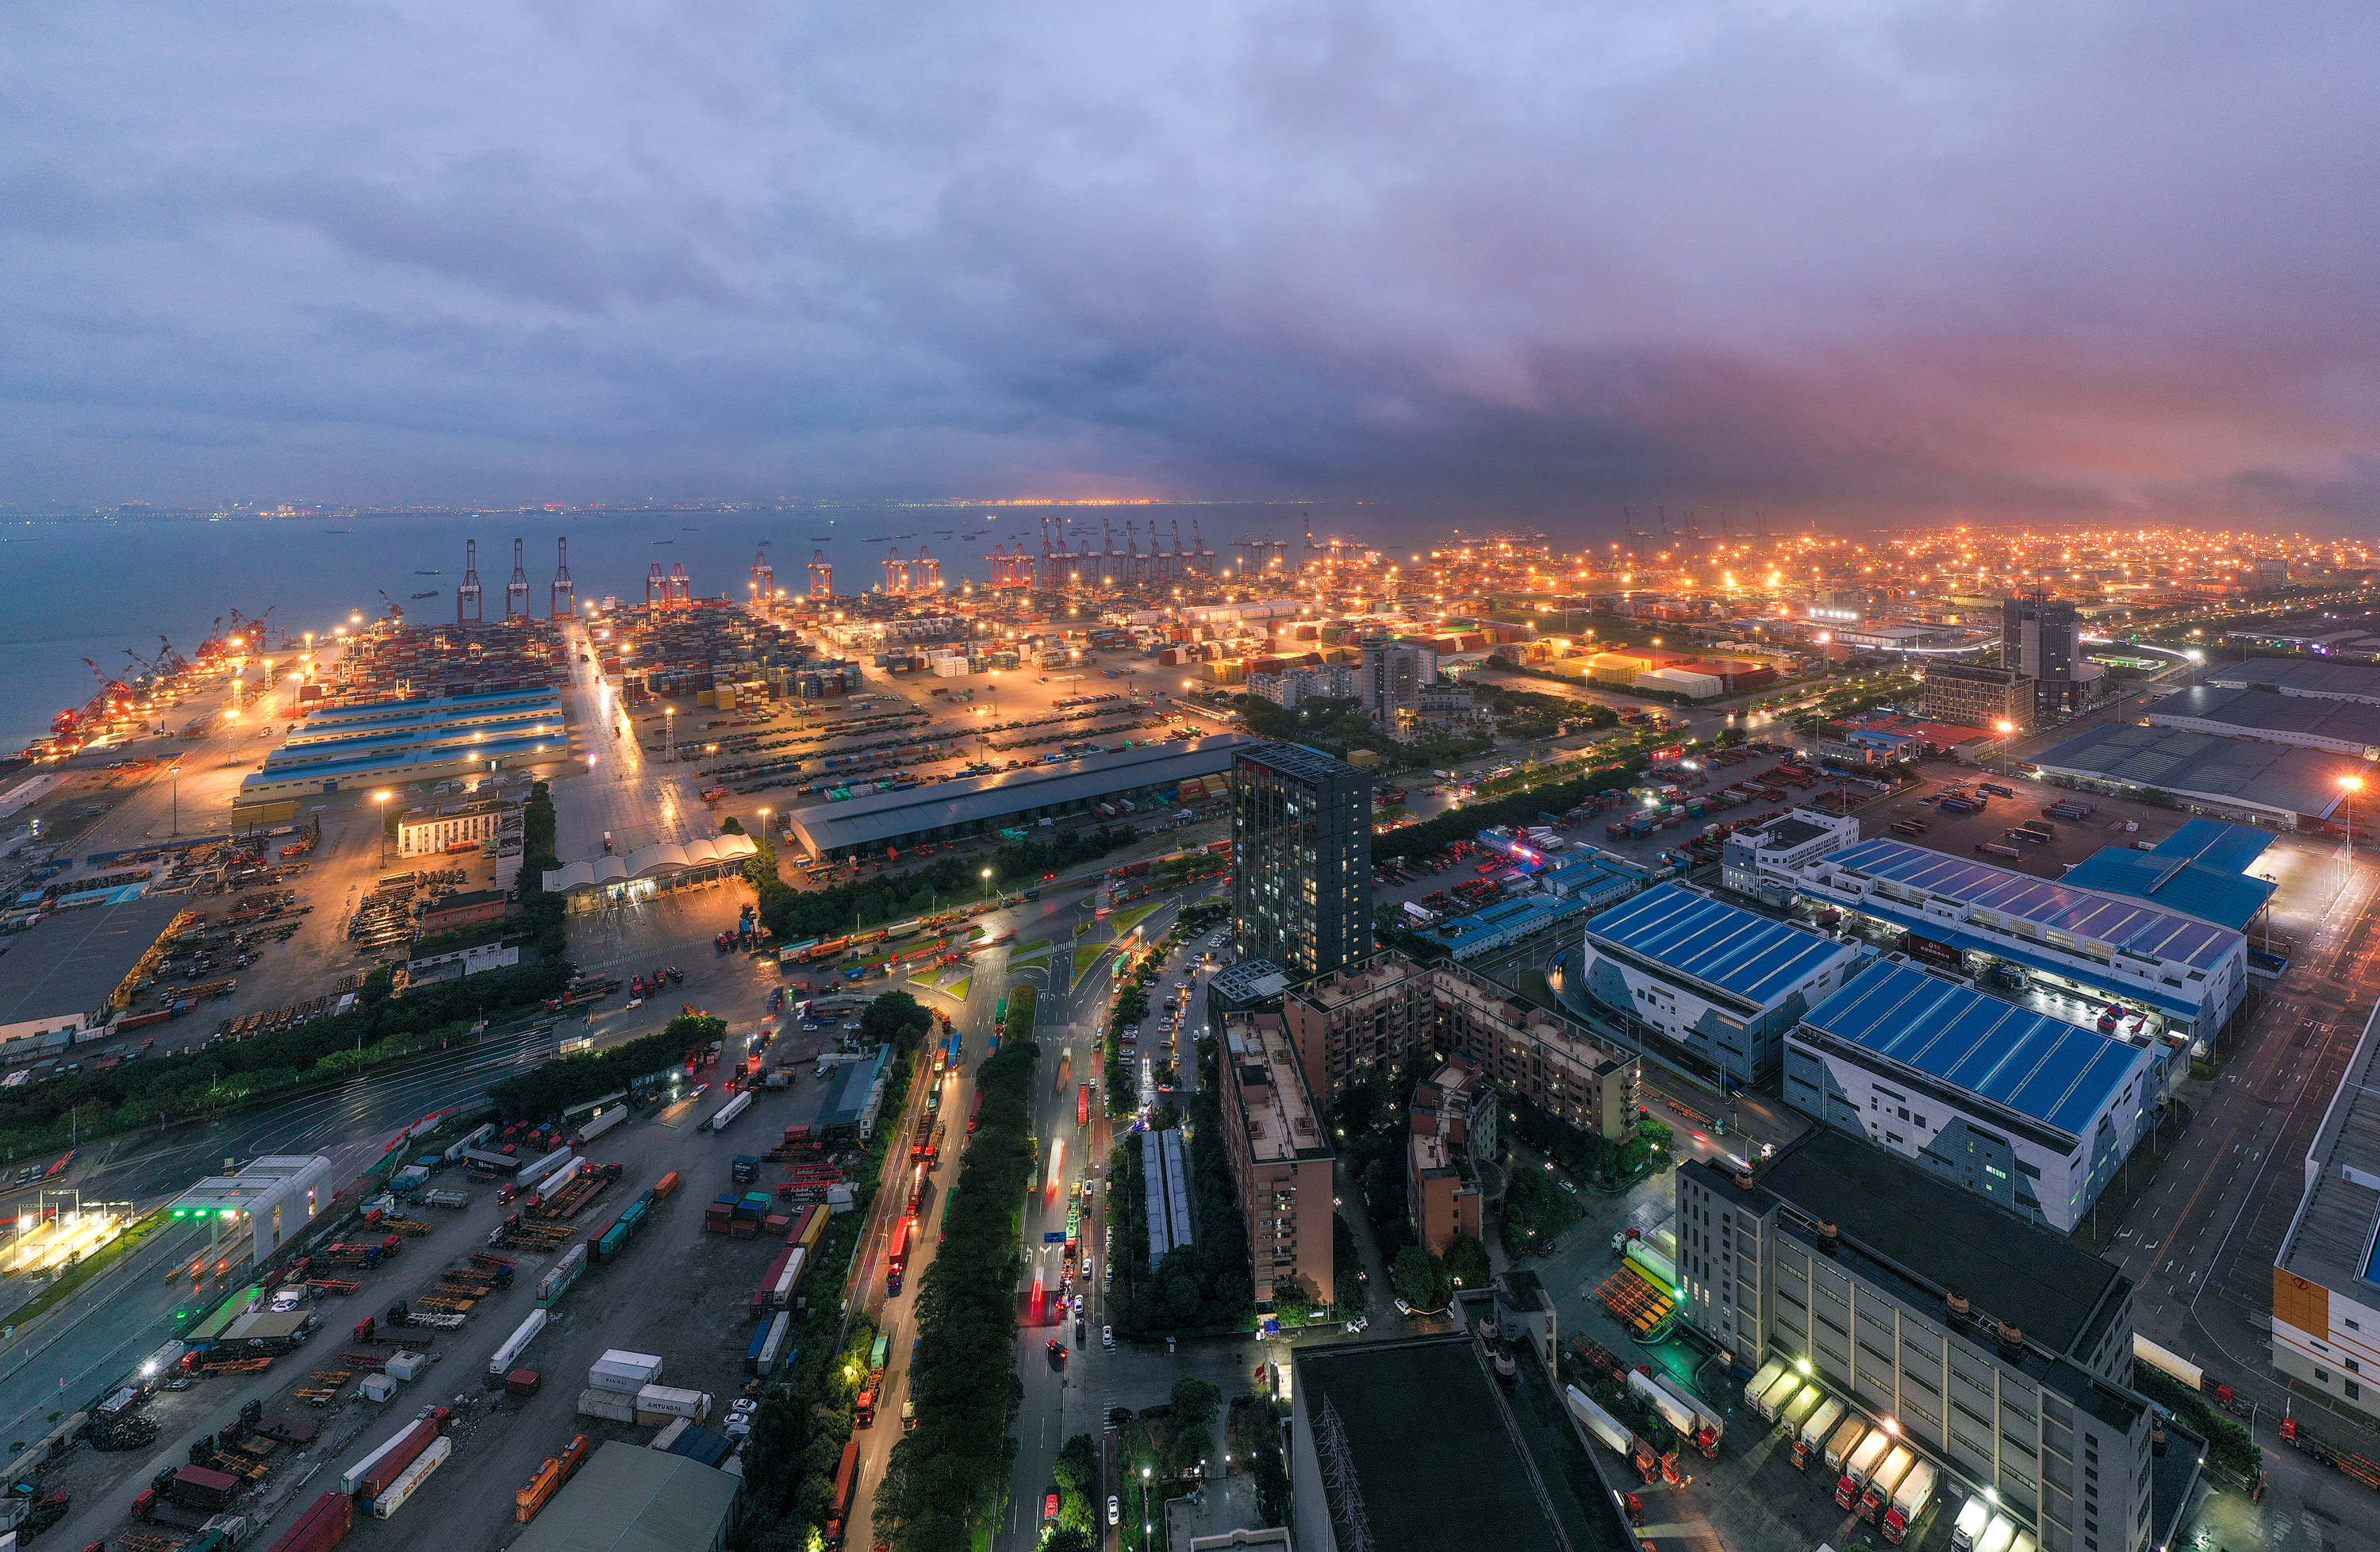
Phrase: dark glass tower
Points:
(1302, 850)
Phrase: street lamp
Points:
(669, 723)
(381, 799)
(175, 772)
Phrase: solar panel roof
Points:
(2124, 924)
(2038, 1066)
(1720, 945)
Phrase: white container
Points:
(610, 1405)
(508, 1356)
(669, 1436)
(403, 1367)
(640, 1368)
(412, 1476)
(378, 1388)
(661, 1403)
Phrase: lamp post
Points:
(2350, 785)
(669, 725)
(175, 772)
(380, 799)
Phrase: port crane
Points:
(396, 610)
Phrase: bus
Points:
(975, 1116)
(1083, 1105)
(898, 1267)
(846, 1478)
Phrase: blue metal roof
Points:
(1751, 956)
(436, 715)
(2015, 951)
(2216, 844)
(2054, 908)
(2054, 1072)
(2211, 894)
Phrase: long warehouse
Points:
(945, 810)
(351, 746)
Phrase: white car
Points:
(1107, 1335)
(743, 1406)
(1403, 1308)
(1115, 1509)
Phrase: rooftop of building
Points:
(1247, 983)
(2282, 777)
(1296, 760)
(465, 900)
(2042, 1068)
(1702, 940)
(2259, 711)
(1284, 1124)
(71, 962)
(422, 715)
(1789, 831)
(476, 700)
(1480, 1492)
(433, 813)
(1366, 978)
(658, 860)
(2084, 916)
(866, 821)
(2305, 676)
(2332, 1240)
(397, 758)
(627, 1497)
(2193, 870)
(1942, 1236)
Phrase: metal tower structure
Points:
(1200, 556)
(1339, 1487)
(925, 573)
(565, 595)
(657, 587)
(897, 572)
(468, 606)
(517, 590)
(822, 575)
(764, 579)
(681, 591)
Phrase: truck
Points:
(1599, 1423)
(1677, 1415)
(455, 1199)
(846, 1478)
(1968, 1528)
(378, 1468)
(896, 1266)
(1842, 1442)
(768, 1344)
(745, 1170)
(1780, 1390)
(781, 1293)
(600, 1122)
(1707, 1427)
(722, 1118)
(1887, 1480)
(1811, 1437)
(1909, 1501)
(1858, 1467)
(388, 1500)
(324, 1524)
(507, 1357)
(1757, 1385)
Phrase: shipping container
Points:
(324, 1524)
(507, 1357)
(385, 1503)
(658, 1403)
(613, 1406)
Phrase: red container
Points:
(323, 1525)
(417, 1440)
(521, 1382)
(200, 1487)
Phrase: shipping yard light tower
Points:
(565, 595)
(516, 589)
(467, 607)
(821, 577)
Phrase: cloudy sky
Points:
(1856, 260)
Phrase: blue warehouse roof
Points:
(2216, 844)
(2053, 907)
(1720, 945)
(2053, 1072)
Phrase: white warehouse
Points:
(2029, 1111)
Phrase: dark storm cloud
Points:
(1854, 258)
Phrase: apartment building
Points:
(1302, 837)
(1280, 1159)
(2000, 1351)
(1453, 1122)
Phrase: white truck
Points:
(1800, 1409)
(1909, 1501)
(1842, 1442)
(1779, 1391)
(1886, 1481)
(1859, 1466)
(1757, 1385)
(1675, 1413)
(1815, 1430)
(1599, 1423)
(1708, 1428)
(1968, 1528)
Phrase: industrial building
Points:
(498, 714)
(1280, 1159)
(429, 832)
(68, 975)
(610, 880)
(1765, 864)
(2200, 870)
(2341, 727)
(1998, 1350)
(1301, 843)
(947, 810)
(2226, 777)
(327, 721)
(2318, 678)
(1717, 981)
(2327, 1275)
(1496, 1476)
(2031, 1112)
(1453, 1123)
(393, 742)
(627, 1497)
(270, 1201)
(2096, 950)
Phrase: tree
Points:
(1466, 1261)
(730, 825)
(1421, 1279)
(1194, 1401)
(1181, 1295)
(1066, 1538)
(896, 1019)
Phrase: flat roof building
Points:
(429, 708)
(649, 870)
(1441, 1185)
(275, 1198)
(2326, 1276)
(1717, 981)
(69, 975)
(2320, 678)
(2227, 777)
(2030, 1112)
(2102, 950)
(627, 1497)
(1763, 862)
(2200, 870)
(946, 810)
(429, 831)
(427, 721)
(1280, 1159)
(1995, 1348)
(2341, 727)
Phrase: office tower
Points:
(1393, 674)
(1302, 847)
(2041, 638)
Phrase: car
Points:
(1115, 1509)
(1403, 1308)
(1570, 1186)
(1107, 1335)
(1057, 1350)
(1355, 1327)
(1049, 1507)
(737, 1427)
(743, 1406)
(1078, 1298)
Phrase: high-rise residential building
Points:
(2041, 638)
(1980, 695)
(1302, 846)
(1996, 1350)
(1280, 1159)
(1392, 675)
(1454, 1124)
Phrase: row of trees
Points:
(1521, 808)
(156, 1090)
(795, 915)
(554, 1087)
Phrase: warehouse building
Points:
(1998, 1350)
(2341, 727)
(2227, 777)
(947, 810)
(2033, 1113)
(68, 975)
(2168, 972)
(502, 713)
(2326, 1276)
(271, 1199)
(290, 773)
(627, 1497)
(489, 703)
(1717, 981)
(2200, 870)
(2318, 678)
(428, 831)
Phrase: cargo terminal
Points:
(975, 805)
(68, 975)
(431, 740)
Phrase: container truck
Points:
(722, 1118)
(1708, 1427)
(559, 1277)
(1599, 1423)
(527, 1176)
(324, 1524)
(1859, 1466)
(1909, 1501)
(1794, 1414)
(1812, 1435)
(552, 1183)
(386, 1502)
(1968, 1528)
(446, 1198)
(1757, 1385)
(1999, 1535)
(846, 1477)
(780, 1296)
(202, 1488)
(1881, 1487)
(1779, 1391)
(1842, 1442)
(507, 1357)
(1676, 1415)
(373, 1476)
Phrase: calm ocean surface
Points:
(90, 588)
